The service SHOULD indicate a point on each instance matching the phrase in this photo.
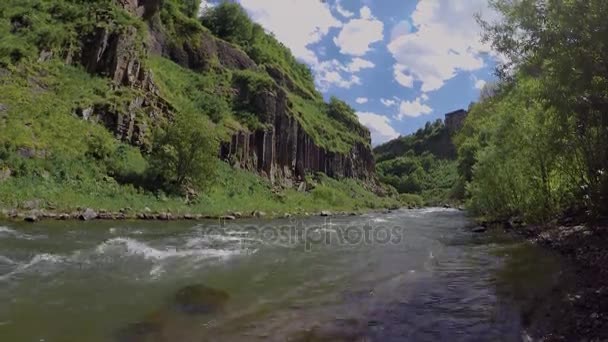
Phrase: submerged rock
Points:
(479, 229)
(200, 299)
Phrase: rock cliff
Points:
(282, 151)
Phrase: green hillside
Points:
(421, 166)
(107, 106)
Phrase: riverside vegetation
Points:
(114, 104)
(534, 147)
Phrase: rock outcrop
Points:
(284, 152)
(119, 55)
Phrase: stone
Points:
(88, 215)
(325, 213)
(3, 108)
(165, 216)
(64, 217)
(479, 229)
(32, 204)
(258, 214)
(237, 214)
(147, 210)
(31, 218)
(200, 299)
(188, 217)
(228, 217)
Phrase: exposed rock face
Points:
(284, 152)
(119, 56)
(200, 55)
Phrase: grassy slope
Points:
(77, 161)
(421, 166)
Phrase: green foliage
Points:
(194, 93)
(411, 200)
(326, 131)
(184, 154)
(537, 146)
(421, 164)
(434, 138)
(28, 27)
(510, 156)
(230, 22)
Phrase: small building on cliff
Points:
(454, 120)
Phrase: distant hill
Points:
(423, 163)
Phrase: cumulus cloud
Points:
(357, 64)
(333, 73)
(379, 127)
(402, 28)
(361, 100)
(389, 102)
(357, 35)
(424, 97)
(446, 40)
(403, 78)
(295, 23)
(343, 11)
(479, 84)
(413, 109)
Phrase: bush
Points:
(184, 154)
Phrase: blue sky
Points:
(399, 63)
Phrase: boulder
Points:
(325, 213)
(258, 214)
(479, 229)
(200, 299)
(30, 218)
(88, 215)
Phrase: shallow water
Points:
(410, 275)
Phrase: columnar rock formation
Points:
(284, 152)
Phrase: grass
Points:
(235, 190)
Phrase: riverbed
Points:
(407, 275)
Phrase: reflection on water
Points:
(409, 275)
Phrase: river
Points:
(407, 275)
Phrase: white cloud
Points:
(357, 35)
(361, 100)
(388, 102)
(413, 109)
(379, 127)
(446, 40)
(343, 11)
(359, 63)
(479, 84)
(424, 97)
(402, 28)
(331, 73)
(406, 80)
(295, 23)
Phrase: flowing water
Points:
(409, 275)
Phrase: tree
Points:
(564, 44)
(183, 154)
(230, 22)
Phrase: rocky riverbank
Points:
(577, 309)
(88, 214)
